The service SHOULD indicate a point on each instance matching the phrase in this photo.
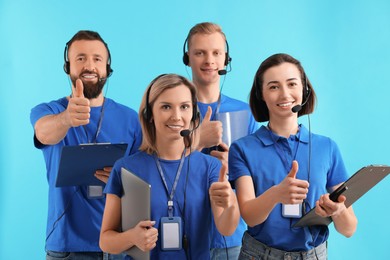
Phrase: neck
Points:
(169, 149)
(284, 127)
(208, 94)
(97, 102)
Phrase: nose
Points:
(210, 59)
(89, 65)
(285, 91)
(176, 115)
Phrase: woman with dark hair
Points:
(272, 193)
(189, 194)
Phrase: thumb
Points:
(222, 173)
(294, 170)
(207, 116)
(78, 90)
(147, 223)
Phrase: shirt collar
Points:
(266, 139)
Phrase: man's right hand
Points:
(210, 131)
(78, 110)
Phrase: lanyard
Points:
(279, 151)
(172, 193)
(99, 125)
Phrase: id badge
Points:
(171, 233)
(95, 192)
(292, 210)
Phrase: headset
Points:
(186, 58)
(147, 113)
(67, 63)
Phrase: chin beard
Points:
(91, 90)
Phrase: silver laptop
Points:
(135, 207)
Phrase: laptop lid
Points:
(135, 207)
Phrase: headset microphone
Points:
(185, 132)
(222, 72)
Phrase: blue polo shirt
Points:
(267, 158)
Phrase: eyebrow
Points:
(170, 103)
(84, 54)
(275, 81)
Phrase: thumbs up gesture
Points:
(78, 110)
(210, 131)
(292, 190)
(221, 193)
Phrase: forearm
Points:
(116, 242)
(257, 210)
(227, 221)
(51, 129)
(346, 222)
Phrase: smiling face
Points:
(172, 113)
(88, 61)
(282, 89)
(206, 54)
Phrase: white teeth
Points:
(285, 104)
(89, 76)
(174, 126)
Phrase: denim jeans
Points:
(252, 249)
(52, 255)
(220, 253)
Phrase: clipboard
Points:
(354, 188)
(79, 163)
(135, 204)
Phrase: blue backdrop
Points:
(344, 46)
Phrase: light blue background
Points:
(344, 46)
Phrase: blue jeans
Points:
(252, 249)
(52, 255)
(220, 253)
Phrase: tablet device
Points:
(354, 188)
(79, 163)
(135, 207)
(234, 124)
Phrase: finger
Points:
(78, 90)
(294, 170)
(342, 198)
(207, 116)
(222, 173)
(147, 223)
(102, 178)
(224, 146)
(108, 169)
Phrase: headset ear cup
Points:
(195, 115)
(67, 67)
(109, 70)
(186, 59)
(227, 59)
(145, 114)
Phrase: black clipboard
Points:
(79, 163)
(354, 188)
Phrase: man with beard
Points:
(86, 116)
